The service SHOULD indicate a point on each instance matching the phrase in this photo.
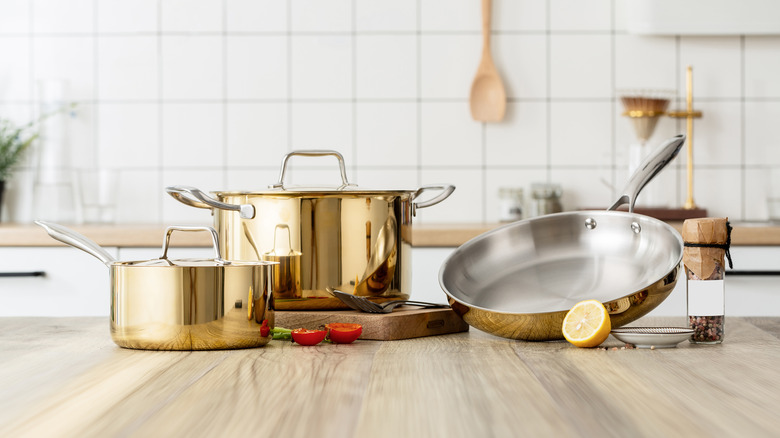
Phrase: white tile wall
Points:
(212, 93)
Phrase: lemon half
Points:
(587, 324)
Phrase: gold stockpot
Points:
(349, 239)
(186, 304)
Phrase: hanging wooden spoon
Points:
(488, 97)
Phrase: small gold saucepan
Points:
(185, 304)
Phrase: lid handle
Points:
(313, 153)
(214, 239)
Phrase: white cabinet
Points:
(68, 282)
(426, 263)
(60, 281)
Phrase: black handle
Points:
(752, 273)
(23, 274)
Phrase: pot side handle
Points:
(196, 198)
(446, 192)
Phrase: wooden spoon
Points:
(488, 97)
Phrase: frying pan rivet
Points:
(636, 228)
(590, 223)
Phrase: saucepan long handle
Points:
(74, 239)
(654, 163)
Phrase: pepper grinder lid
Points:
(706, 241)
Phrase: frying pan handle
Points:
(446, 192)
(313, 153)
(650, 167)
(196, 198)
(214, 239)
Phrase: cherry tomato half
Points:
(343, 333)
(308, 337)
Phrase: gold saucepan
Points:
(185, 304)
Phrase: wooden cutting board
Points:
(402, 323)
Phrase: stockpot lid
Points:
(197, 198)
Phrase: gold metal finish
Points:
(381, 262)
(341, 240)
(689, 114)
(287, 270)
(190, 307)
(187, 304)
(547, 326)
(642, 113)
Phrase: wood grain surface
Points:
(403, 323)
(64, 377)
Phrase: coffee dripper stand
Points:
(644, 108)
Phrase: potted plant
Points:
(14, 141)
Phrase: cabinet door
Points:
(53, 281)
(426, 263)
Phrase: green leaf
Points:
(14, 142)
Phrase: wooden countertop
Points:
(423, 235)
(65, 377)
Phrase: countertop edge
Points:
(423, 235)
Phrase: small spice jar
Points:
(510, 202)
(547, 198)
(706, 243)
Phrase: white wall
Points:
(212, 93)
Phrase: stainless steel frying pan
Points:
(519, 280)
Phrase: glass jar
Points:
(546, 198)
(510, 204)
(706, 244)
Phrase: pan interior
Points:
(550, 263)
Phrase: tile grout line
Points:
(484, 172)
(354, 146)
(677, 68)
(160, 117)
(288, 34)
(743, 145)
(548, 101)
(613, 102)
(225, 146)
(419, 164)
(95, 88)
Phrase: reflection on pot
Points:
(286, 275)
(381, 260)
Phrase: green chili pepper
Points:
(280, 333)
